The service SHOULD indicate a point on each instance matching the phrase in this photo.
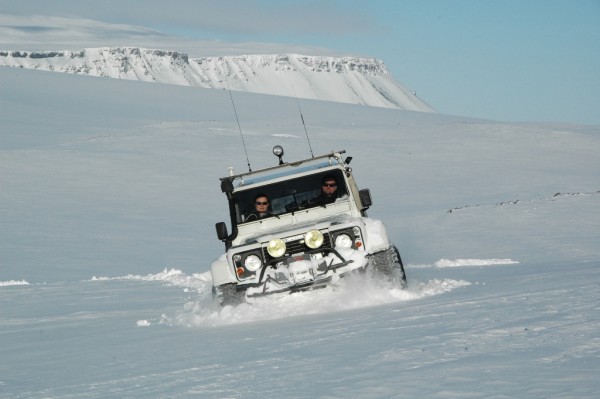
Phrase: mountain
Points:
(364, 81)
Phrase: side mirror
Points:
(365, 197)
(221, 230)
(226, 186)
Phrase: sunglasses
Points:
(329, 185)
(261, 203)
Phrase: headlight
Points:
(343, 241)
(276, 248)
(313, 239)
(252, 263)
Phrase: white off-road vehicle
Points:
(304, 243)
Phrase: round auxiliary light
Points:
(343, 241)
(252, 263)
(276, 248)
(278, 151)
(313, 239)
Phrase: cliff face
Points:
(342, 79)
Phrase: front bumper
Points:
(304, 272)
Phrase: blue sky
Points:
(508, 60)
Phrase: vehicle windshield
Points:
(288, 196)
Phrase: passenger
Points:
(262, 208)
(328, 191)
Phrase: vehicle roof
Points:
(278, 172)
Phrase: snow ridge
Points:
(355, 80)
(13, 282)
(515, 202)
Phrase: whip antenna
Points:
(305, 131)
(303, 124)
(239, 127)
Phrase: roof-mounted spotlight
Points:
(278, 151)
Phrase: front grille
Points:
(298, 246)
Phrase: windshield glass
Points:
(289, 196)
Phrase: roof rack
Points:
(333, 154)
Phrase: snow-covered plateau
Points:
(109, 194)
(352, 80)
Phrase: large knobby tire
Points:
(227, 294)
(388, 263)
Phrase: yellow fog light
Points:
(313, 239)
(276, 248)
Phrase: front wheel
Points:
(228, 294)
(389, 264)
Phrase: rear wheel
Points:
(389, 264)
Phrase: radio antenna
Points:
(303, 124)
(238, 123)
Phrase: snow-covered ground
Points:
(109, 194)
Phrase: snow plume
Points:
(354, 292)
(352, 80)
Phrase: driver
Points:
(329, 192)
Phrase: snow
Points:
(473, 262)
(13, 282)
(343, 79)
(109, 194)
